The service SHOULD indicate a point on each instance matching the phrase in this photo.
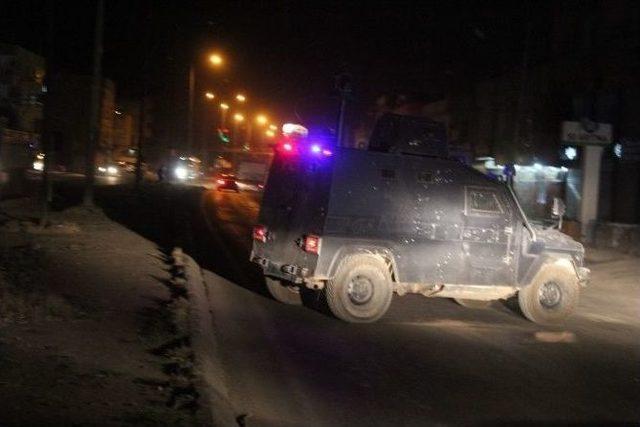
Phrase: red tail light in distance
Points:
(260, 233)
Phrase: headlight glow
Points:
(112, 170)
(181, 172)
(38, 165)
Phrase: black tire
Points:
(361, 290)
(287, 294)
(551, 296)
(473, 303)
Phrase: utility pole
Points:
(141, 135)
(522, 92)
(47, 138)
(96, 98)
(192, 88)
(143, 105)
(344, 87)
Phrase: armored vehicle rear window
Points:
(482, 201)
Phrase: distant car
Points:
(227, 182)
(130, 167)
(109, 170)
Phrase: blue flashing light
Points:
(315, 148)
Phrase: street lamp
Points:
(209, 95)
(223, 113)
(216, 59)
(261, 119)
(237, 119)
(241, 98)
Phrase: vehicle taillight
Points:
(311, 244)
(260, 233)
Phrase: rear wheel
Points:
(472, 303)
(361, 290)
(551, 296)
(280, 291)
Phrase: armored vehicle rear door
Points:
(488, 236)
(294, 203)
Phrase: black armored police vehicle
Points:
(403, 217)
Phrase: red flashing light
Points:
(287, 147)
(260, 233)
(312, 244)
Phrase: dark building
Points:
(21, 87)
(68, 119)
(579, 65)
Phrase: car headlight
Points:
(112, 170)
(181, 172)
(38, 165)
(102, 169)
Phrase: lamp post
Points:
(237, 119)
(223, 114)
(261, 120)
(216, 61)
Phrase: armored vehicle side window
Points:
(482, 201)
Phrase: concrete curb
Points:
(210, 380)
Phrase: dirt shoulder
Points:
(92, 328)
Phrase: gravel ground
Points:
(91, 329)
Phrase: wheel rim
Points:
(360, 290)
(550, 295)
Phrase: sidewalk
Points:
(90, 333)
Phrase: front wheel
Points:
(361, 289)
(551, 296)
(282, 292)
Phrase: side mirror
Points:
(559, 208)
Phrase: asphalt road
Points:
(428, 361)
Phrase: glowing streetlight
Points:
(216, 59)
(209, 95)
(238, 117)
(241, 98)
(270, 134)
(223, 113)
(261, 119)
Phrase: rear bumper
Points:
(289, 272)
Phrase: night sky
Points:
(283, 54)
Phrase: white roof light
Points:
(292, 128)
